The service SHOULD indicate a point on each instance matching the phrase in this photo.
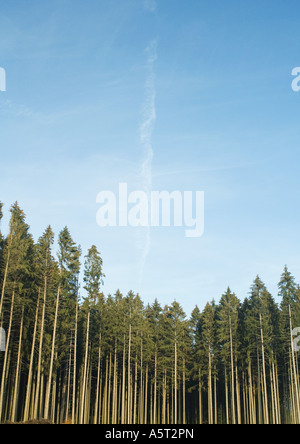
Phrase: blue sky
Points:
(83, 78)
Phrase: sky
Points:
(160, 95)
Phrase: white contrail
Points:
(146, 130)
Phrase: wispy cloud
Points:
(146, 131)
(150, 5)
(8, 108)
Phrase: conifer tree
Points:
(93, 279)
(209, 342)
(15, 286)
(65, 308)
(288, 321)
(109, 360)
(228, 327)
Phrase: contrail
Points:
(146, 130)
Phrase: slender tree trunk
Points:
(200, 400)
(37, 392)
(85, 369)
(210, 397)
(155, 390)
(164, 404)
(29, 381)
(238, 394)
(184, 394)
(232, 377)
(123, 385)
(226, 397)
(135, 391)
(109, 391)
(129, 412)
(49, 383)
(5, 361)
(265, 390)
(115, 388)
(141, 414)
(146, 396)
(75, 367)
(294, 379)
(17, 377)
(96, 420)
(175, 386)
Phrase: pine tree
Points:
(107, 359)
(288, 320)
(16, 283)
(209, 343)
(198, 359)
(228, 327)
(65, 308)
(93, 279)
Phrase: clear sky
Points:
(208, 82)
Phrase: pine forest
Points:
(83, 357)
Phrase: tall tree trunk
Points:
(294, 371)
(226, 397)
(123, 385)
(210, 396)
(155, 389)
(75, 367)
(184, 394)
(129, 411)
(232, 377)
(37, 393)
(29, 381)
(200, 400)
(49, 382)
(5, 361)
(81, 420)
(175, 385)
(17, 377)
(265, 390)
(96, 416)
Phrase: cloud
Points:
(150, 5)
(146, 130)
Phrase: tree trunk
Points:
(17, 377)
(29, 381)
(49, 383)
(81, 420)
(5, 361)
(75, 367)
(37, 393)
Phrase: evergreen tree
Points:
(109, 360)
(16, 285)
(228, 335)
(93, 279)
(210, 350)
(288, 321)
